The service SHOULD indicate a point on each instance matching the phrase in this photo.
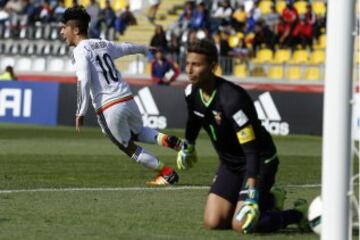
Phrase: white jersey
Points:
(97, 75)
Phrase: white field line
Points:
(128, 189)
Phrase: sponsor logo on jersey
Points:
(149, 110)
(269, 115)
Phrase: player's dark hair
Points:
(205, 47)
(79, 17)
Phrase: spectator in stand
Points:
(224, 52)
(46, 12)
(8, 74)
(239, 19)
(163, 71)
(124, 20)
(199, 18)
(272, 20)
(154, 6)
(108, 16)
(263, 36)
(311, 23)
(256, 12)
(303, 33)
(290, 17)
(221, 16)
(159, 39)
(14, 8)
(28, 13)
(93, 9)
(185, 18)
(59, 10)
(174, 48)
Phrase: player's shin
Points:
(146, 159)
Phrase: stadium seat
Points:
(280, 6)
(300, 56)
(276, 72)
(282, 56)
(357, 57)
(312, 73)
(240, 70)
(319, 8)
(23, 64)
(7, 61)
(56, 64)
(265, 6)
(263, 56)
(119, 5)
(321, 43)
(300, 7)
(69, 66)
(39, 64)
(218, 71)
(317, 57)
(293, 73)
(233, 41)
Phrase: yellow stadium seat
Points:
(240, 35)
(265, 6)
(300, 57)
(300, 7)
(276, 72)
(119, 4)
(321, 43)
(233, 41)
(240, 71)
(293, 73)
(263, 56)
(312, 73)
(317, 57)
(319, 8)
(218, 71)
(282, 56)
(280, 6)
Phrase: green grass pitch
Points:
(48, 158)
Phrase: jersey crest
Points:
(217, 116)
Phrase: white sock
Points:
(147, 159)
(148, 135)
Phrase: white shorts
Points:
(154, 2)
(121, 120)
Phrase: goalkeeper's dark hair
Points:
(79, 17)
(205, 47)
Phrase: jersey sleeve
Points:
(117, 50)
(240, 113)
(193, 125)
(83, 73)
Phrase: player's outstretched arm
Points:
(118, 50)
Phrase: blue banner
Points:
(29, 102)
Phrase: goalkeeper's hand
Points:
(248, 216)
(186, 157)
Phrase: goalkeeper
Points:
(241, 196)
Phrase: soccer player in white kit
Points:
(117, 112)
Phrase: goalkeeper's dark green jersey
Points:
(230, 119)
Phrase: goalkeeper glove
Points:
(186, 157)
(248, 216)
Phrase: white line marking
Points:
(127, 189)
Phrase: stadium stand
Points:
(273, 52)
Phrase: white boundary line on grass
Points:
(127, 189)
